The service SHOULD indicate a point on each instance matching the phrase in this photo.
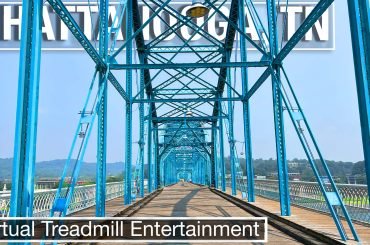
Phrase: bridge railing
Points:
(308, 195)
(83, 197)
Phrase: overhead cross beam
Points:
(189, 65)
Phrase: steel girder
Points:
(230, 113)
(359, 16)
(102, 114)
(157, 165)
(229, 40)
(140, 44)
(149, 150)
(282, 165)
(222, 149)
(61, 10)
(208, 57)
(184, 150)
(27, 111)
(142, 139)
(311, 19)
(145, 85)
(128, 132)
(213, 158)
(185, 66)
(246, 118)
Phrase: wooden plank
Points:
(189, 200)
(313, 220)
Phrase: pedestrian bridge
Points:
(190, 200)
(189, 91)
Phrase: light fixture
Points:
(197, 9)
(189, 113)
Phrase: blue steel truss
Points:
(186, 109)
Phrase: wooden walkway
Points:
(187, 200)
(313, 220)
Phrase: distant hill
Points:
(54, 168)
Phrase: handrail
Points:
(308, 195)
(83, 197)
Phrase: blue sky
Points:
(324, 82)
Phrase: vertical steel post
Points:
(278, 114)
(102, 114)
(157, 168)
(128, 174)
(359, 16)
(230, 113)
(162, 173)
(246, 117)
(150, 154)
(197, 172)
(27, 109)
(216, 168)
(221, 135)
(202, 171)
(213, 157)
(141, 141)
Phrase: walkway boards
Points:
(194, 201)
(189, 200)
(320, 222)
(315, 221)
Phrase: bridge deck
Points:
(194, 201)
(314, 220)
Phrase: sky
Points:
(323, 80)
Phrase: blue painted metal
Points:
(141, 141)
(282, 165)
(188, 145)
(359, 16)
(216, 164)
(27, 111)
(140, 29)
(184, 21)
(222, 155)
(83, 132)
(140, 44)
(311, 19)
(200, 99)
(230, 113)
(189, 65)
(157, 161)
(213, 158)
(233, 24)
(257, 84)
(102, 114)
(246, 118)
(329, 189)
(61, 10)
(261, 32)
(150, 154)
(128, 132)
